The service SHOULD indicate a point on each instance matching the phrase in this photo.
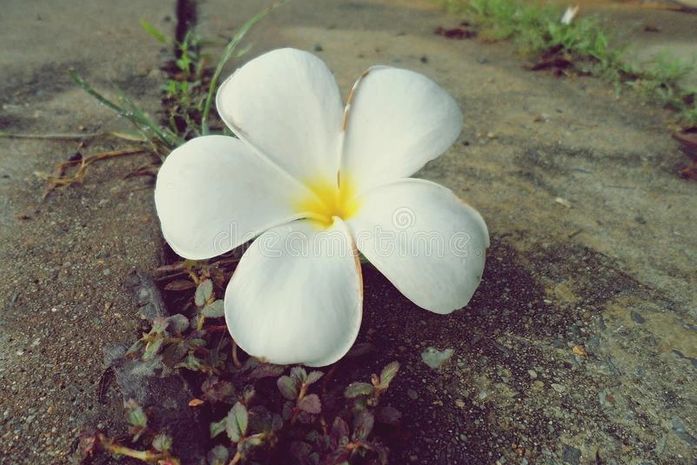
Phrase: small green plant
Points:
(661, 81)
(257, 412)
(538, 30)
(187, 99)
(188, 91)
(158, 449)
(583, 46)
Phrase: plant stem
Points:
(235, 359)
(235, 459)
(76, 136)
(72, 136)
(146, 456)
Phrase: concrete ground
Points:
(64, 260)
(580, 346)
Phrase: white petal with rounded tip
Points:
(428, 243)
(286, 104)
(214, 193)
(296, 296)
(397, 121)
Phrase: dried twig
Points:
(60, 179)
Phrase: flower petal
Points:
(287, 105)
(396, 121)
(296, 296)
(214, 193)
(428, 243)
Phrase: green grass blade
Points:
(90, 90)
(154, 32)
(225, 57)
(142, 122)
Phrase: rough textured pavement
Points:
(580, 346)
(64, 260)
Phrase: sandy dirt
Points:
(580, 346)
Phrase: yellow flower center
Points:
(328, 200)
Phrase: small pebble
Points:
(637, 317)
(558, 387)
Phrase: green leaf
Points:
(218, 427)
(313, 377)
(236, 422)
(204, 291)
(358, 389)
(219, 455)
(178, 323)
(162, 442)
(435, 358)
(299, 374)
(136, 415)
(215, 309)
(159, 325)
(152, 348)
(310, 404)
(289, 387)
(135, 347)
(388, 373)
(191, 362)
(245, 446)
(154, 32)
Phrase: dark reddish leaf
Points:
(689, 171)
(266, 370)
(688, 141)
(555, 64)
(360, 349)
(459, 32)
(340, 430)
(358, 389)
(310, 404)
(301, 452)
(363, 425)
(215, 390)
(389, 415)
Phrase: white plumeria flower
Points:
(314, 181)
